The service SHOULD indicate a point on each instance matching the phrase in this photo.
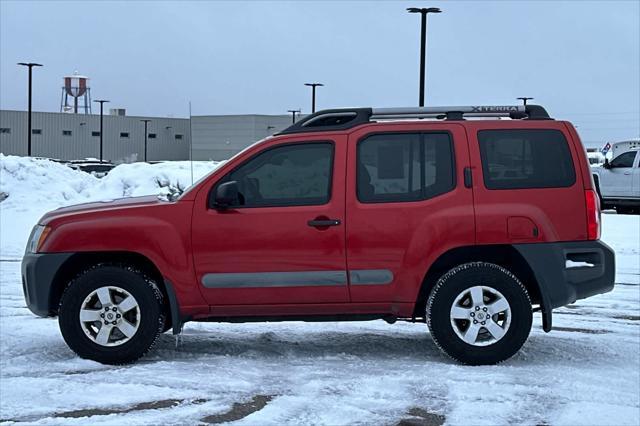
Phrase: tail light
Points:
(593, 214)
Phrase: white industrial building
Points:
(77, 136)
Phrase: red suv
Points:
(450, 216)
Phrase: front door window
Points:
(290, 175)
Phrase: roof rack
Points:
(346, 118)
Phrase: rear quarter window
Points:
(525, 158)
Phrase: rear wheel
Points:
(111, 314)
(479, 313)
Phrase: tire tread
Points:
(159, 298)
(442, 281)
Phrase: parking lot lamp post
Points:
(524, 100)
(313, 94)
(101, 102)
(30, 65)
(293, 115)
(423, 42)
(146, 122)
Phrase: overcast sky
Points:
(579, 59)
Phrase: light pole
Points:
(423, 42)
(101, 102)
(293, 115)
(30, 65)
(146, 122)
(313, 95)
(524, 100)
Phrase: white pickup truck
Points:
(618, 182)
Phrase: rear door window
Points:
(525, 158)
(396, 167)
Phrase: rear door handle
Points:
(320, 223)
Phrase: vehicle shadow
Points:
(309, 345)
(540, 348)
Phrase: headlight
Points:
(38, 235)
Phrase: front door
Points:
(283, 242)
(618, 179)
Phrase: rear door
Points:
(635, 173)
(406, 204)
(527, 187)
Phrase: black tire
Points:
(455, 282)
(141, 287)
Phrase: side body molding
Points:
(297, 279)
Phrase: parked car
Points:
(92, 166)
(469, 226)
(618, 182)
(596, 159)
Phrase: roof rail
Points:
(330, 119)
(346, 118)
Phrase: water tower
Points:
(76, 86)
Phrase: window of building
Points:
(36, 131)
(624, 160)
(124, 135)
(404, 167)
(521, 159)
(178, 137)
(95, 133)
(152, 135)
(66, 133)
(5, 130)
(290, 175)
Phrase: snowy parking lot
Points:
(586, 371)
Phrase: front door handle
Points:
(321, 223)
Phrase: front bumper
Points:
(559, 283)
(38, 273)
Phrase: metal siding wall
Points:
(214, 137)
(14, 143)
(220, 137)
(51, 143)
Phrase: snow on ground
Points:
(586, 371)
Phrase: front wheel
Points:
(111, 314)
(479, 313)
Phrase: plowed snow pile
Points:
(35, 186)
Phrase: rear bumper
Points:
(591, 270)
(38, 272)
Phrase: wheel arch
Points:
(504, 255)
(79, 262)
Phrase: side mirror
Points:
(226, 195)
(606, 164)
